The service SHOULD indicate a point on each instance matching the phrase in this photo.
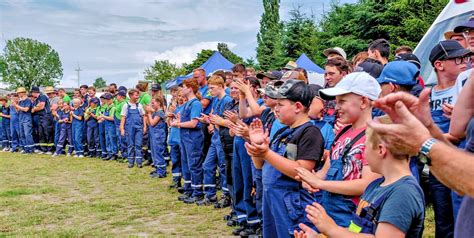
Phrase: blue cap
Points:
(399, 72)
(95, 100)
(122, 93)
(122, 88)
(107, 96)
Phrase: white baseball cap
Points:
(335, 50)
(360, 83)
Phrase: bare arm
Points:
(354, 187)
(463, 110)
(153, 120)
(189, 124)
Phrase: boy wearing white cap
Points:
(346, 173)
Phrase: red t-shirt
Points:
(355, 158)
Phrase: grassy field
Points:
(70, 197)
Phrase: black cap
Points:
(94, 100)
(465, 26)
(34, 89)
(447, 49)
(155, 87)
(370, 67)
(314, 89)
(410, 58)
(296, 91)
(122, 88)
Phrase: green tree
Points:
(299, 35)
(228, 54)
(99, 83)
(162, 71)
(27, 62)
(269, 46)
(353, 26)
(250, 62)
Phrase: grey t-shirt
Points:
(403, 206)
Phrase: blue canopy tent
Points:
(304, 62)
(214, 63)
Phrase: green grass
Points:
(70, 197)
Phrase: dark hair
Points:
(219, 73)
(299, 69)
(239, 68)
(84, 86)
(382, 45)
(405, 48)
(254, 82)
(113, 84)
(341, 64)
(133, 91)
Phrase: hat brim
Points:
(49, 92)
(459, 53)
(331, 93)
(261, 76)
(463, 27)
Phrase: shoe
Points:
(180, 190)
(68, 155)
(5, 149)
(140, 166)
(48, 153)
(232, 222)
(184, 196)
(114, 157)
(258, 233)
(38, 152)
(175, 185)
(207, 201)
(192, 200)
(130, 166)
(54, 155)
(223, 202)
(249, 231)
(237, 230)
(21, 151)
(81, 156)
(75, 156)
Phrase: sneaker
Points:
(130, 166)
(192, 200)
(75, 156)
(207, 201)
(48, 153)
(237, 230)
(21, 151)
(223, 202)
(140, 166)
(249, 231)
(38, 151)
(183, 196)
(68, 155)
(54, 155)
(5, 149)
(175, 185)
(81, 156)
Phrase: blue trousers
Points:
(175, 155)
(215, 158)
(26, 130)
(443, 209)
(57, 131)
(185, 170)
(103, 145)
(121, 141)
(93, 141)
(77, 132)
(65, 133)
(6, 134)
(191, 142)
(157, 138)
(15, 134)
(245, 208)
(110, 138)
(134, 137)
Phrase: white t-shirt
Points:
(440, 97)
(132, 106)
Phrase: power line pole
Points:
(78, 69)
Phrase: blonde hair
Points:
(216, 80)
(373, 138)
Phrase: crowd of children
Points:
(290, 158)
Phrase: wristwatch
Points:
(425, 150)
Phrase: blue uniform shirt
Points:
(174, 137)
(25, 115)
(78, 112)
(205, 94)
(326, 131)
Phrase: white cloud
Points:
(179, 54)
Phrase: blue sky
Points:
(118, 39)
